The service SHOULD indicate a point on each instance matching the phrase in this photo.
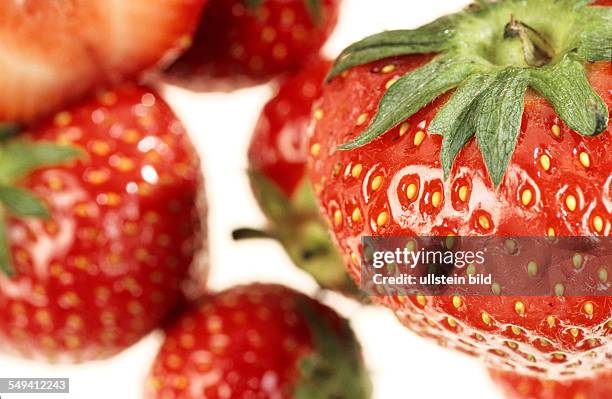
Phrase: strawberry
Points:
(56, 51)
(100, 227)
(259, 341)
(277, 171)
(245, 42)
(393, 154)
(516, 386)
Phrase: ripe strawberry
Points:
(56, 51)
(539, 166)
(259, 341)
(277, 170)
(516, 386)
(101, 227)
(244, 42)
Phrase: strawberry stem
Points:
(247, 233)
(538, 52)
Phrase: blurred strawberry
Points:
(516, 386)
(245, 42)
(56, 51)
(277, 170)
(259, 341)
(100, 227)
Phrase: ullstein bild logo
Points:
(487, 266)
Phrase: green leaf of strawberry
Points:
(18, 159)
(5, 251)
(566, 86)
(19, 203)
(411, 93)
(433, 37)
(22, 203)
(455, 121)
(497, 117)
(595, 40)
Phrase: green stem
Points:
(538, 52)
(247, 233)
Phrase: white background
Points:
(402, 365)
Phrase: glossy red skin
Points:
(400, 162)
(516, 386)
(279, 148)
(86, 44)
(116, 255)
(244, 342)
(236, 47)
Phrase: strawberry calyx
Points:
(491, 54)
(335, 369)
(19, 157)
(296, 225)
(313, 6)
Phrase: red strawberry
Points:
(516, 386)
(259, 341)
(536, 168)
(100, 246)
(56, 51)
(245, 42)
(277, 170)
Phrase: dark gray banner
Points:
(487, 266)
